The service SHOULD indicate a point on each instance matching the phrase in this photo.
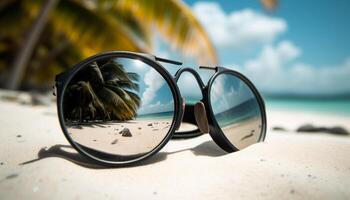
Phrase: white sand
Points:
(145, 136)
(286, 166)
(244, 133)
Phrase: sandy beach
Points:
(36, 162)
(244, 133)
(107, 137)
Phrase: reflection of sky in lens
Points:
(154, 92)
(228, 91)
(189, 88)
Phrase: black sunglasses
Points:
(119, 108)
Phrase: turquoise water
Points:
(246, 110)
(337, 106)
(161, 115)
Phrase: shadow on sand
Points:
(208, 148)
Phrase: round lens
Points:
(118, 108)
(236, 110)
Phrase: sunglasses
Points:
(120, 108)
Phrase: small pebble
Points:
(279, 128)
(11, 176)
(19, 136)
(292, 191)
(115, 141)
(125, 132)
(262, 160)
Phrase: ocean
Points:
(244, 111)
(330, 106)
(322, 106)
(161, 115)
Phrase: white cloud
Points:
(321, 80)
(277, 70)
(238, 29)
(224, 99)
(188, 86)
(273, 58)
(153, 82)
(157, 107)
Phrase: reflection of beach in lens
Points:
(241, 124)
(121, 138)
(236, 111)
(244, 133)
(239, 113)
(160, 115)
(118, 106)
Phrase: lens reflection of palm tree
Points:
(102, 91)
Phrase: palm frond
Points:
(176, 23)
(133, 76)
(115, 104)
(269, 4)
(92, 31)
(136, 28)
(135, 97)
(114, 71)
(124, 84)
(132, 101)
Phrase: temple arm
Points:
(167, 61)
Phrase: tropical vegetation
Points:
(104, 91)
(41, 38)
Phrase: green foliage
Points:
(102, 91)
(77, 29)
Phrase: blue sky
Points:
(236, 92)
(301, 48)
(154, 92)
(320, 28)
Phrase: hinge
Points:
(54, 88)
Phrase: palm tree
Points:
(103, 90)
(87, 27)
(65, 32)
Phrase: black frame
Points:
(63, 79)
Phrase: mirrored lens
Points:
(236, 110)
(118, 108)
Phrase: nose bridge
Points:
(195, 114)
(194, 73)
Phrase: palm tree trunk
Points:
(56, 51)
(21, 59)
